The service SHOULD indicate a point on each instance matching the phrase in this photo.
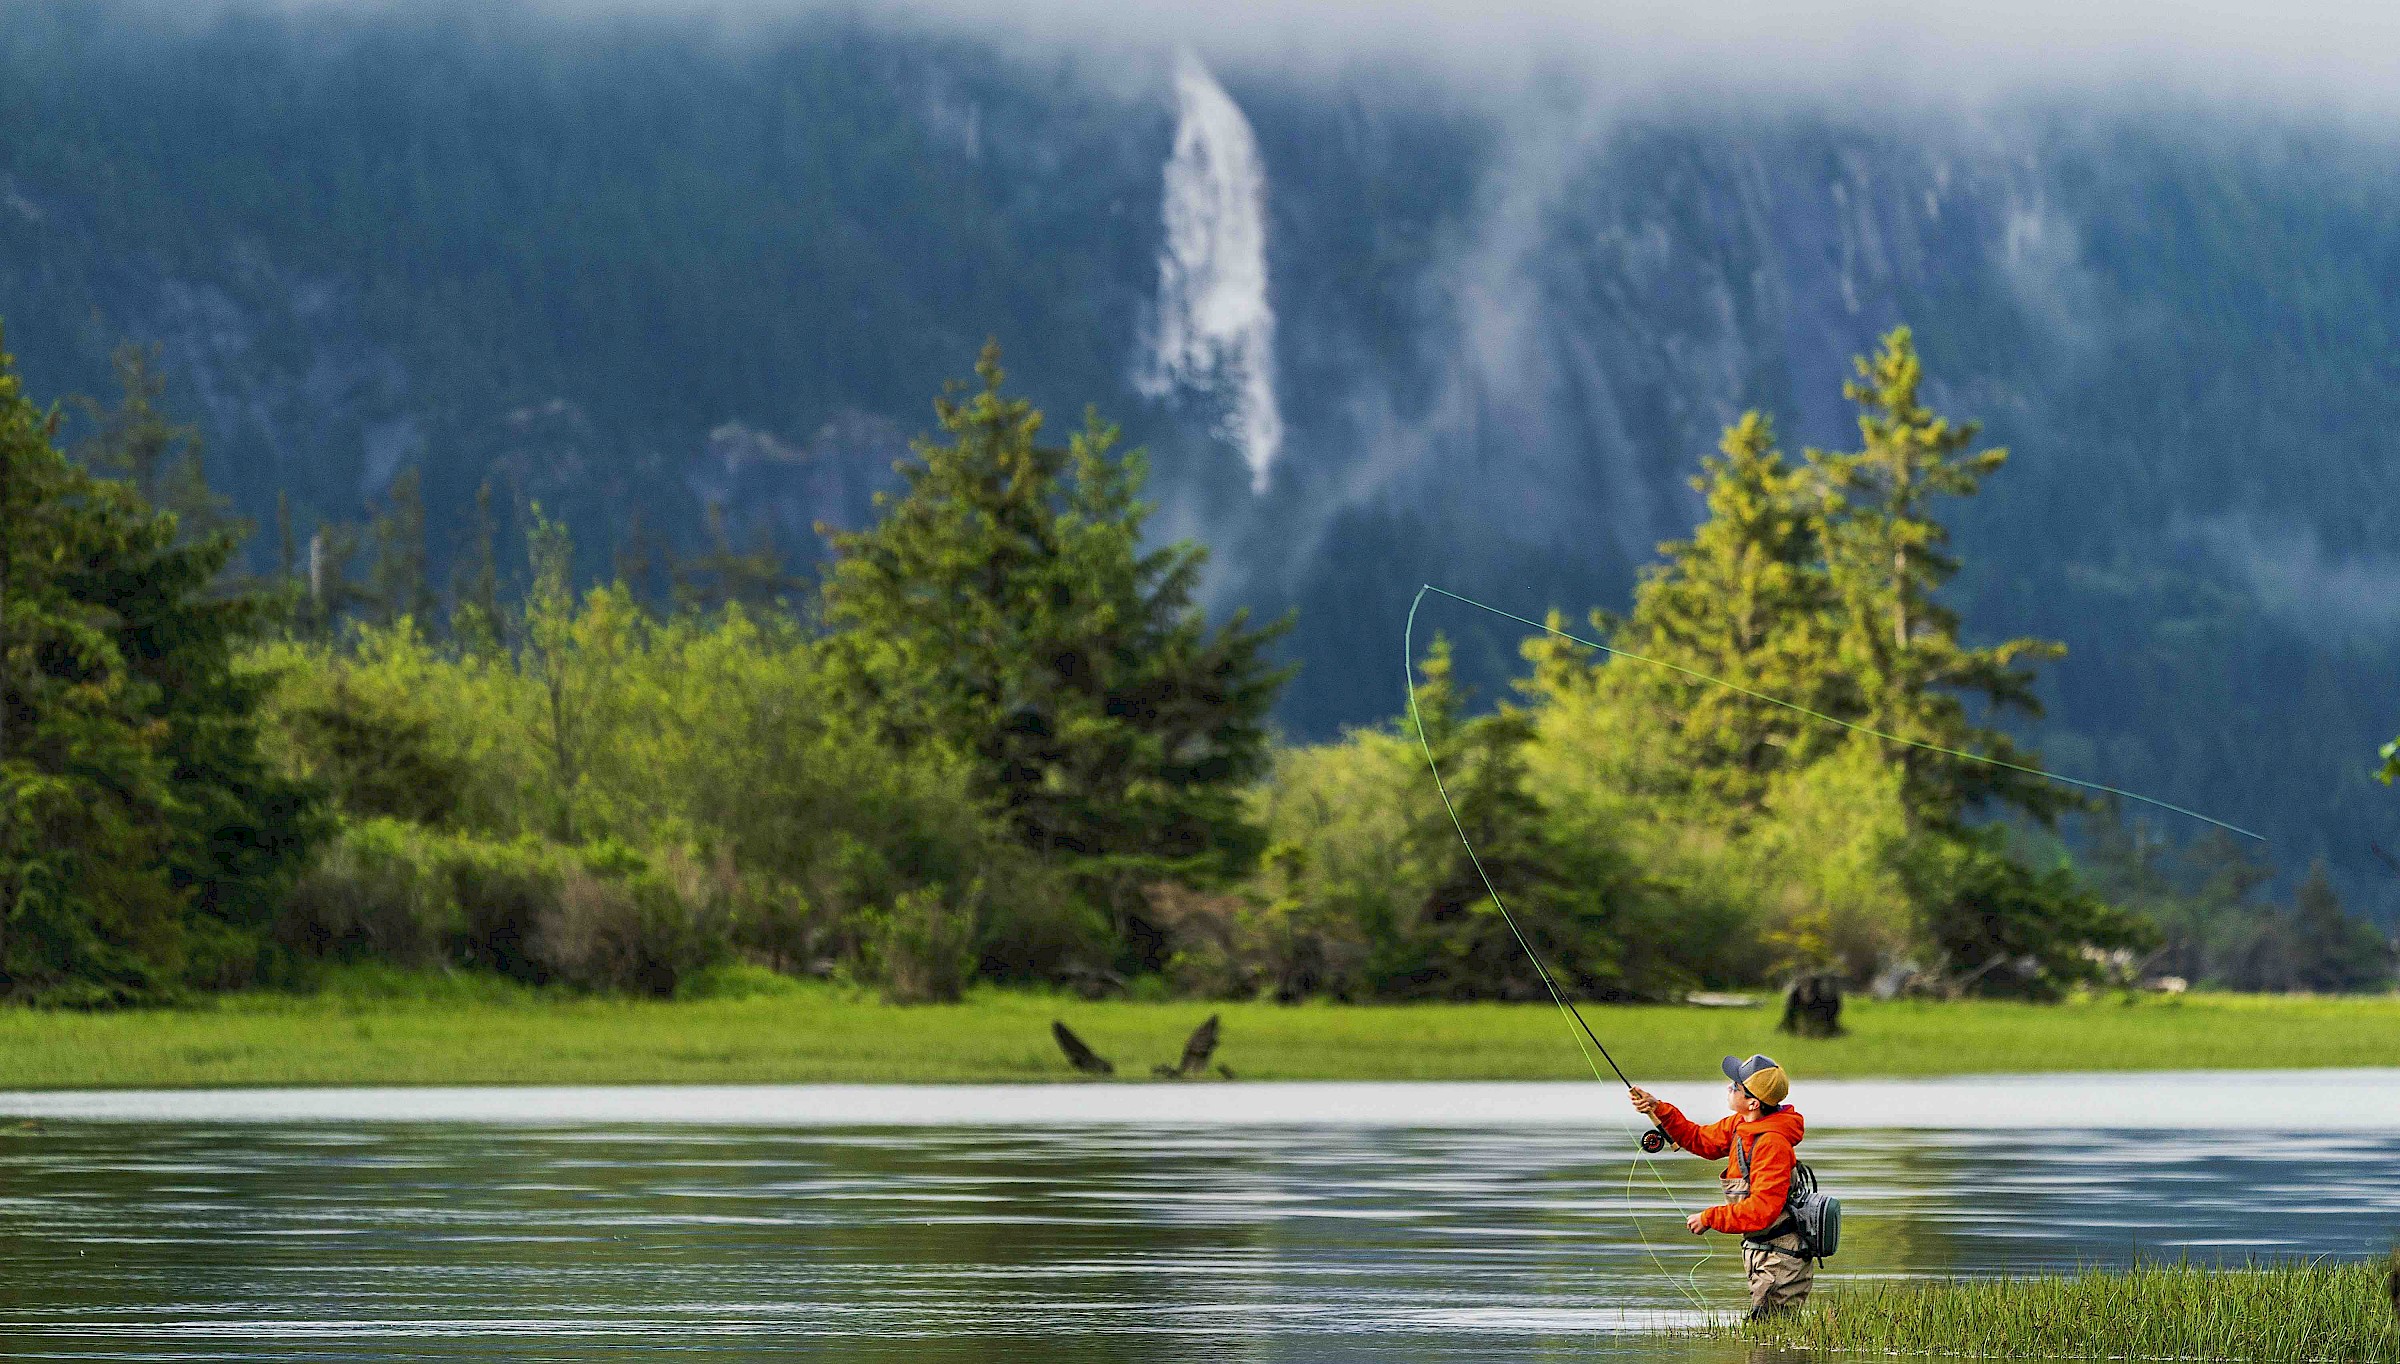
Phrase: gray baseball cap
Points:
(1740, 1071)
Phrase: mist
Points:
(2329, 55)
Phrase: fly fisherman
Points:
(1757, 1139)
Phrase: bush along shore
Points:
(374, 1025)
(2276, 1314)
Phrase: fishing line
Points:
(1408, 677)
(1818, 715)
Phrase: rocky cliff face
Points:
(623, 270)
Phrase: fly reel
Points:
(1654, 1141)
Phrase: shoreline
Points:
(463, 1031)
(2316, 1101)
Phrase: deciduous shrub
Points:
(380, 892)
(643, 930)
(922, 949)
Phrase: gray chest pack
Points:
(1808, 1212)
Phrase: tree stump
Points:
(1812, 1007)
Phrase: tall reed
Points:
(2284, 1312)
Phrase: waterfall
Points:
(1215, 329)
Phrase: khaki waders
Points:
(1779, 1277)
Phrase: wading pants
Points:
(1779, 1278)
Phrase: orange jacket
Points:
(1770, 1140)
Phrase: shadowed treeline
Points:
(998, 740)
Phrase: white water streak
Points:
(1215, 328)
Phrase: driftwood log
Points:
(1082, 1057)
(1812, 1007)
(1201, 1045)
(1197, 1051)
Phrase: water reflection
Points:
(193, 1241)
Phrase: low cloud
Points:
(2318, 53)
(2329, 596)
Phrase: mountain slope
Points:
(629, 269)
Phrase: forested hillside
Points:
(630, 271)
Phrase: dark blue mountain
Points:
(630, 270)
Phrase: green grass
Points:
(386, 1028)
(2165, 1312)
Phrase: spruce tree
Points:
(1748, 600)
(2335, 954)
(478, 626)
(138, 443)
(143, 838)
(722, 575)
(398, 580)
(1004, 604)
(1887, 556)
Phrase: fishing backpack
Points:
(1812, 1214)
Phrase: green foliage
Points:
(1012, 748)
(397, 893)
(1747, 600)
(2333, 952)
(1564, 896)
(2008, 929)
(381, 892)
(374, 755)
(1885, 556)
(921, 949)
(1005, 608)
(1369, 893)
(717, 791)
(1351, 863)
(2391, 763)
(1818, 847)
(144, 840)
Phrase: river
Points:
(1090, 1222)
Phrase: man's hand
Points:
(1696, 1223)
(1644, 1102)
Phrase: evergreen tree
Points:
(2334, 953)
(397, 580)
(477, 624)
(82, 788)
(136, 442)
(550, 658)
(1561, 896)
(722, 575)
(637, 558)
(143, 838)
(1004, 605)
(1887, 557)
(1747, 599)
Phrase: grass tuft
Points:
(2277, 1313)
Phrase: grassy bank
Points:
(382, 1029)
(2172, 1312)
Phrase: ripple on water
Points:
(327, 1238)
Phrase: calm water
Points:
(1504, 1222)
